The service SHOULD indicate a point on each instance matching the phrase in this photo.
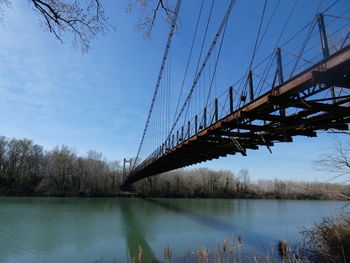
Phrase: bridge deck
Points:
(288, 110)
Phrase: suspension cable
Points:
(200, 53)
(216, 63)
(190, 55)
(257, 36)
(255, 48)
(199, 73)
(307, 38)
(171, 33)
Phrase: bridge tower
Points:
(324, 43)
(125, 173)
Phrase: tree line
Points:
(27, 169)
(204, 182)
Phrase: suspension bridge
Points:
(299, 89)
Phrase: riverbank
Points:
(317, 192)
(249, 196)
(26, 169)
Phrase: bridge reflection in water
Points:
(137, 231)
(135, 237)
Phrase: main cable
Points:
(171, 33)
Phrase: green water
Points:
(110, 230)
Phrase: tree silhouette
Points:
(83, 19)
(149, 15)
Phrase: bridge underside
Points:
(300, 106)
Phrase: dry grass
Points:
(329, 241)
(230, 251)
(168, 253)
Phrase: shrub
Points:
(329, 241)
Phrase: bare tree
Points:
(3, 3)
(149, 15)
(83, 19)
(244, 178)
(337, 162)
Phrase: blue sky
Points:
(54, 95)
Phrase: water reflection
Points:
(49, 228)
(253, 240)
(107, 230)
(200, 218)
(135, 236)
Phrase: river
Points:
(111, 229)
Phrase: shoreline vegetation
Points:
(328, 241)
(26, 169)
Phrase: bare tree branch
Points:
(337, 162)
(84, 19)
(149, 15)
(3, 3)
